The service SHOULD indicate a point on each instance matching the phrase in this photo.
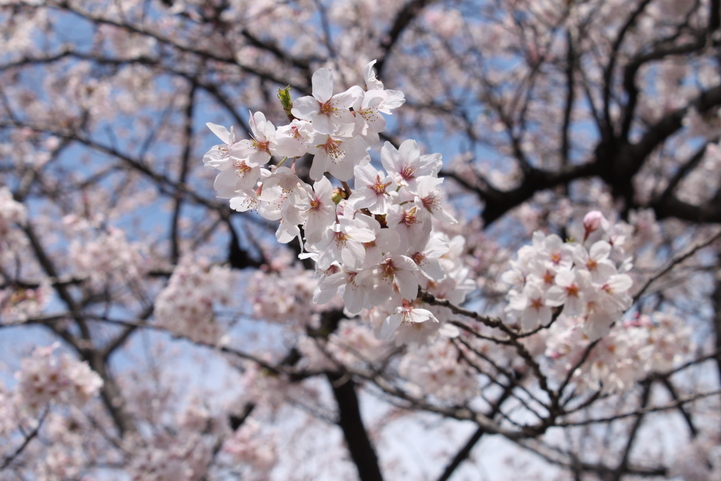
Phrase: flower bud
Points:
(592, 222)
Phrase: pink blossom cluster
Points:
(110, 254)
(45, 377)
(586, 279)
(20, 303)
(170, 458)
(185, 306)
(282, 294)
(436, 369)
(251, 449)
(630, 352)
(375, 242)
(351, 344)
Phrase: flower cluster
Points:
(586, 279)
(172, 459)
(250, 448)
(44, 378)
(374, 242)
(17, 304)
(436, 369)
(109, 255)
(185, 306)
(629, 353)
(282, 294)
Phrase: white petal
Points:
(390, 325)
(323, 84)
(222, 133)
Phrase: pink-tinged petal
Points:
(529, 319)
(409, 150)
(327, 287)
(323, 84)
(380, 293)
(545, 315)
(373, 98)
(243, 202)
(286, 232)
(555, 296)
(355, 298)
(620, 283)
(418, 315)
(345, 100)
(390, 325)
(318, 167)
(517, 302)
(323, 124)
(226, 184)
(369, 75)
(356, 149)
(353, 254)
(390, 158)
(433, 269)
(323, 188)
(341, 168)
(407, 284)
(222, 133)
(600, 250)
(441, 214)
(305, 108)
(539, 240)
(565, 278)
(359, 234)
(574, 306)
(395, 99)
(365, 175)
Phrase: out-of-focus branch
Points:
(354, 432)
(402, 20)
(26, 441)
(623, 464)
(184, 166)
(465, 451)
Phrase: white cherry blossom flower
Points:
(337, 155)
(429, 197)
(321, 210)
(572, 290)
(293, 140)
(256, 150)
(596, 261)
(530, 307)
(343, 243)
(371, 189)
(330, 114)
(218, 157)
(406, 164)
(405, 314)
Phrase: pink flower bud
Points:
(592, 222)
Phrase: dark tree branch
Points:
(623, 464)
(403, 19)
(683, 171)
(184, 167)
(465, 451)
(26, 441)
(354, 432)
(613, 56)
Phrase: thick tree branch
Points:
(355, 434)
